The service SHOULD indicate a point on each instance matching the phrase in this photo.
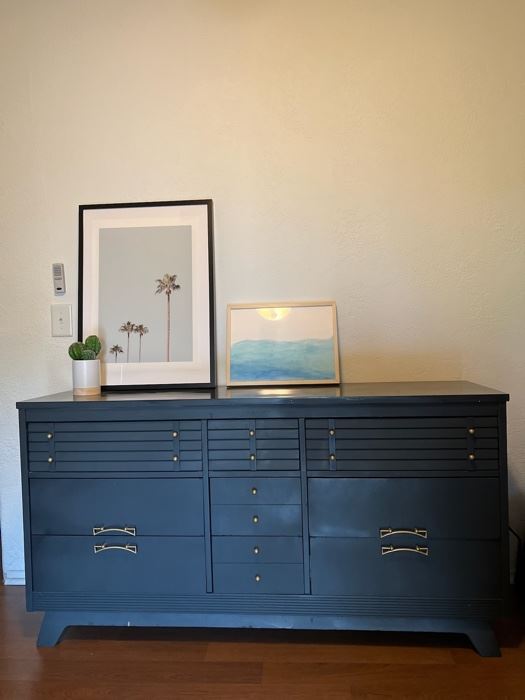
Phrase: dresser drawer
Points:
(256, 444)
(115, 446)
(257, 549)
(147, 506)
(402, 443)
(258, 578)
(160, 565)
(254, 490)
(256, 520)
(452, 568)
(455, 508)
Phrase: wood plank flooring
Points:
(162, 664)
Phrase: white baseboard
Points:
(14, 578)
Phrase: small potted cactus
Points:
(86, 366)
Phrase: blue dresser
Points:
(365, 506)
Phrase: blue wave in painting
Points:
(260, 360)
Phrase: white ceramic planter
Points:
(86, 377)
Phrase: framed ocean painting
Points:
(283, 343)
(146, 289)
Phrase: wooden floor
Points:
(141, 664)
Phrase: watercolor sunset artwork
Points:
(282, 343)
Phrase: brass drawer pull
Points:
(102, 530)
(254, 491)
(472, 456)
(255, 519)
(131, 548)
(388, 532)
(416, 550)
(472, 431)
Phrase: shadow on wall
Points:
(382, 366)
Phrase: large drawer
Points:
(254, 490)
(160, 565)
(147, 506)
(256, 444)
(258, 578)
(256, 520)
(115, 446)
(402, 443)
(456, 508)
(453, 568)
(249, 550)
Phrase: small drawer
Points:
(437, 569)
(147, 506)
(451, 508)
(125, 565)
(261, 578)
(256, 520)
(253, 490)
(275, 550)
(255, 444)
(115, 446)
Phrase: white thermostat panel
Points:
(59, 280)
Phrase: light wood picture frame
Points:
(282, 343)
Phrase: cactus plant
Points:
(88, 350)
(94, 344)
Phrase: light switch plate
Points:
(61, 320)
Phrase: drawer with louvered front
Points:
(115, 446)
(455, 443)
(255, 444)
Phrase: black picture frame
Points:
(86, 324)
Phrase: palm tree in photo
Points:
(167, 285)
(128, 328)
(141, 329)
(115, 350)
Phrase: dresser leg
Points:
(484, 641)
(53, 624)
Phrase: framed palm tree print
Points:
(146, 289)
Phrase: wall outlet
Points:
(61, 320)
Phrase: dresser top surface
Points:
(369, 392)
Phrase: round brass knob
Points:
(50, 459)
(257, 578)
(252, 433)
(175, 433)
(252, 458)
(331, 431)
(49, 436)
(255, 519)
(256, 550)
(332, 458)
(254, 491)
(472, 431)
(175, 458)
(472, 456)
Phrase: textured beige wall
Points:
(371, 152)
